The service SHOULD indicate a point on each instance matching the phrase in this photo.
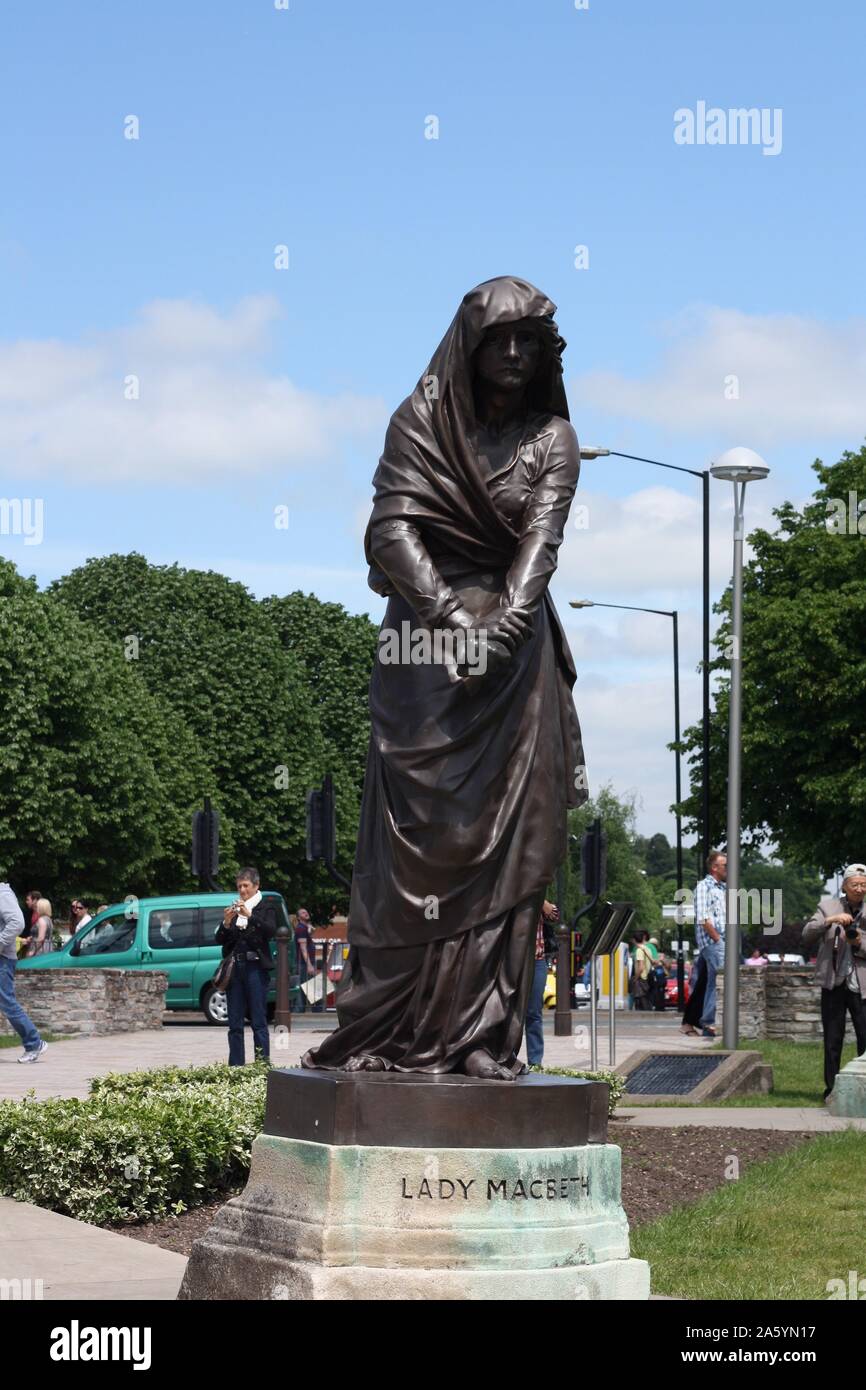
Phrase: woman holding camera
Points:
(836, 928)
(247, 929)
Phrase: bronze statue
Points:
(471, 766)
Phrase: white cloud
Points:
(643, 549)
(207, 408)
(626, 728)
(797, 377)
(648, 544)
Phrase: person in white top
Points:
(78, 915)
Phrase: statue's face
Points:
(508, 356)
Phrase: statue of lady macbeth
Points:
(471, 768)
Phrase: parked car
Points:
(671, 990)
(580, 994)
(174, 934)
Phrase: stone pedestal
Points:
(414, 1187)
(848, 1097)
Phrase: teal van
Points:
(174, 934)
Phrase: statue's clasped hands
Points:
(503, 630)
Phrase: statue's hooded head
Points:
(429, 472)
(495, 303)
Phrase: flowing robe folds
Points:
(463, 818)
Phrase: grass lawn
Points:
(14, 1041)
(782, 1230)
(798, 1073)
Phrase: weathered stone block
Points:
(417, 1218)
(316, 1219)
(848, 1097)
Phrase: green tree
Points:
(626, 880)
(211, 651)
(336, 651)
(804, 681)
(659, 856)
(98, 776)
(798, 889)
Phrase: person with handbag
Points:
(247, 929)
(641, 976)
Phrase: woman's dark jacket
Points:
(259, 932)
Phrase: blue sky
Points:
(258, 387)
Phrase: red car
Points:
(671, 991)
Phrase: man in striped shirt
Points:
(710, 920)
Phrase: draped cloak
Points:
(463, 816)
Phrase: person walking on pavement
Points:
(695, 1006)
(840, 970)
(544, 948)
(711, 918)
(305, 949)
(11, 926)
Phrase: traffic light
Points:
(322, 829)
(321, 823)
(205, 859)
(593, 860)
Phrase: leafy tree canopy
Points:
(336, 650)
(206, 646)
(804, 680)
(626, 880)
(98, 775)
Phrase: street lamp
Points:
(664, 613)
(595, 451)
(738, 466)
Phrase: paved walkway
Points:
(75, 1260)
(807, 1121)
(66, 1259)
(186, 1040)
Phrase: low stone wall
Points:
(777, 1001)
(753, 1003)
(87, 1002)
(793, 1003)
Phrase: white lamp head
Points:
(739, 465)
(593, 451)
(581, 603)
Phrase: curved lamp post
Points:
(739, 466)
(595, 451)
(664, 613)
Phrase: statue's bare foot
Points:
(364, 1061)
(479, 1063)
